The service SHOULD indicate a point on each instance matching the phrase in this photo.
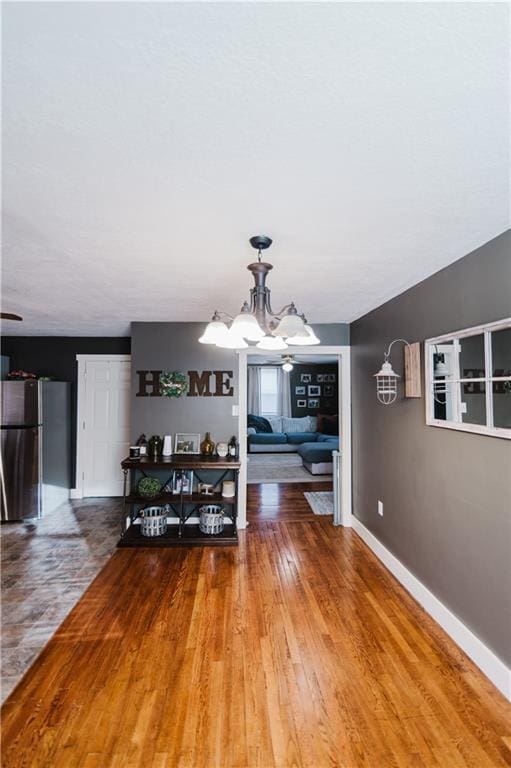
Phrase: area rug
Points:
(321, 502)
(279, 468)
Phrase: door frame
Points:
(343, 353)
(82, 360)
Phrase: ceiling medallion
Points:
(257, 322)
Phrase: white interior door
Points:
(106, 426)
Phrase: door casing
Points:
(343, 353)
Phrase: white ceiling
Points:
(145, 142)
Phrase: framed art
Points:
(306, 378)
(300, 391)
(187, 443)
(320, 377)
(328, 390)
(301, 403)
(314, 390)
(313, 403)
(182, 481)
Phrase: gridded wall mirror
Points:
(468, 380)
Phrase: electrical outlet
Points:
(380, 508)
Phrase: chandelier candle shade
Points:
(256, 321)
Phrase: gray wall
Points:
(446, 494)
(174, 346)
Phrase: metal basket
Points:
(211, 518)
(153, 521)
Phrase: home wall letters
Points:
(201, 384)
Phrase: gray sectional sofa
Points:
(298, 435)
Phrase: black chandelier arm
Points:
(219, 314)
(277, 315)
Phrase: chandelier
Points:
(257, 322)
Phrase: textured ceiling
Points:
(145, 142)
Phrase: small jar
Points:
(228, 489)
(222, 450)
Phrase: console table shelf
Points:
(184, 505)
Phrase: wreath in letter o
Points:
(173, 383)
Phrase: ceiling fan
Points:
(9, 316)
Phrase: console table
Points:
(184, 505)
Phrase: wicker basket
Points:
(153, 521)
(211, 518)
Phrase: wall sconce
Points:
(386, 378)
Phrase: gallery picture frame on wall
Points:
(301, 403)
(314, 390)
(328, 390)
(313, 403)
(306, 378)
(300, 391)
(187, 443)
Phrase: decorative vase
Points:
(207, 447)
(222, 449)
(154, 446)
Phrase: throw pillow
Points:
(295, 425)
(276, 423)
(328, 425)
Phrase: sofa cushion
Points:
(315, 453)
(327, 438)
(272, 438)
(259, 423)
(275, 423)
(295, 438)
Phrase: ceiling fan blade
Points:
(9, 316)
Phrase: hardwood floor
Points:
(296, 648)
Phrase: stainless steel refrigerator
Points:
(35, 466)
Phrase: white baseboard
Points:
(494, 669)
(75, 493)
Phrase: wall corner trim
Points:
(494, 669)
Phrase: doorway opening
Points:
(294, 427)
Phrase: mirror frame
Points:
(488, 429)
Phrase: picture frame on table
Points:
(301, 403)
(313, 403)
(187, 443)
(314, 390)
(182, 482)
(300, 391)
(306, 378)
